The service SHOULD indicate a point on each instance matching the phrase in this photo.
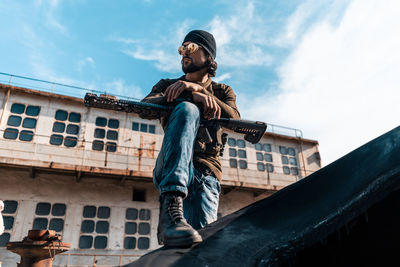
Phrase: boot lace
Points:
(175, 209)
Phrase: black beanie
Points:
(204, 39)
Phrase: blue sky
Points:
(329, 68)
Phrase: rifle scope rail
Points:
(253, 131)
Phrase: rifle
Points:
(252, 130)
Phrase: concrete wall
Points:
(16, 184)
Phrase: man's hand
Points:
(211, 109)
(174, 90)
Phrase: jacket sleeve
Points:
(227, 103)
(156, 96)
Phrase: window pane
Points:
(56, 225)
(58, 127)
(8, 222)
(285, 160)
(112, 123)
(40, 224)
(294, 171)
(14, 120)
(291, 151)
(72, 129)
(89, 211)
(4, 238)
(258, 146)
(112, 135)
(231, 142)
(102, 227)
(270, 167)
(260, 166)
(242, 153)
(130, 228)
(144, 228)
(29, 123)
(232, 152)
(143, 127)
(58, 209)
(267, 157)
(283, 150)
(100, 121)
(87, 226)
(43, 208)
(286, 170)
(99, 133)
(56, 139)
(233, 163)
(70, 141)
(17, 108)
(10, 133)
(152, 129)
(130, 243)
(85, 241)
(259, 156)
(131, 214)
(103, 212)
(97, 145)
(241, 143)
(135, 126)
(267, 147)
(292, 161)
(10, 206)
(32, 110)
(26, 135)
(143, 243)
(74, 117)
(111, 147)
(61, 115)
(242, 164)
(144, 214)
(100, 242)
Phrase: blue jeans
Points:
(174, 171)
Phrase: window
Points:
(263, 147)
(106, 134)
(237, 153)
(263, 157)
(137, 228)
(143, 127)
(49, 216)
(22, 122)
(65, 128)
(9, 213)
(95, 227)
(139, 195)
(289, 160)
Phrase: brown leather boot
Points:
(173, 230)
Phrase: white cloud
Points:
(163, 51)
(50, 14)
(88, 61)
(340, 85)
(223, 77)
(241, 38)
(118, 87)
(164, 61)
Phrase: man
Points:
(188, 169)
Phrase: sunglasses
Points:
(191, 48)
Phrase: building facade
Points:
(87, 174)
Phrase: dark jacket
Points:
(206, 155)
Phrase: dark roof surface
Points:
(271, 232)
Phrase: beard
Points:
(192, 67)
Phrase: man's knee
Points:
(187, 109)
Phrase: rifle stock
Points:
(252, 130)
